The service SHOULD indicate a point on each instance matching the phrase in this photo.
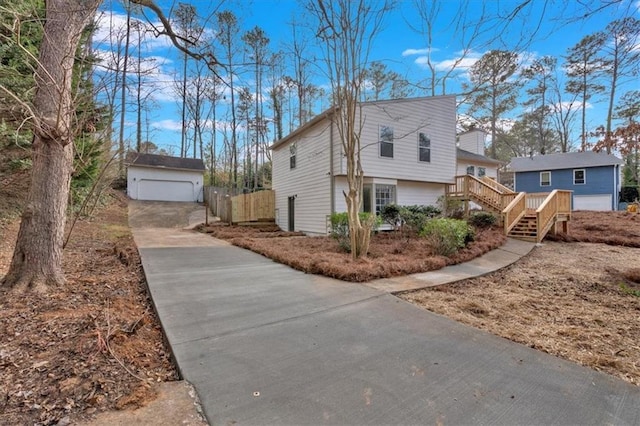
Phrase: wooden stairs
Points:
(524, 216)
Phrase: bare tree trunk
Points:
(37, 259)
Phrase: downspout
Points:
(616, 173)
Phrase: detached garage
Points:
(163, 178)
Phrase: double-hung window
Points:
(293, 150)
(471, 170)
(377, 195)
(424, 148)
(545, 178)
(579, 177)
(386, 141)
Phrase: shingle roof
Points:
(470, 156)
(164, 161)
(567, 160)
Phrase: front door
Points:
(292, 211)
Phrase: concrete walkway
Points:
(265, 344)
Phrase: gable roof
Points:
(567, 160)
(330, 111)
(470, 156)
(164, 161)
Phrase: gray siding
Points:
(434, 116)
(309, 182)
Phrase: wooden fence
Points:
(230, 208)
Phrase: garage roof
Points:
(164, 161)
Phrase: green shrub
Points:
(429, 211)
(390, 214)
(482, 219)
(450, 207)
(340, 227)
(447, 236)
(628, 194)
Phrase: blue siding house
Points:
(593, 177)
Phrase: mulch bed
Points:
(390, 253)
(94, 344)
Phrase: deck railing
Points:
(558, 202)
(487, 191)
(514, 211)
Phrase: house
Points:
(164, 178)
(408, 155)
(593, 177)
(470, 156)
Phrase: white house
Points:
(470, 155)
(164, 178)
(408, 155)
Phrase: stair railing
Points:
(514, 211)
(496, 185)
(557, 202)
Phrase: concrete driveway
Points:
(265, 344)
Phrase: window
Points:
(579, 177)
(293, 149)
(545, 178)
(385, 194)
(424, 148)
(386, 141)
(471, 170)
(376, 196)
(482, 171)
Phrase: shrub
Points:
(340, 227)
(447, 236)
(390, 214)
(450, 207)
(429, 211)
(628, 194)
(482, 219)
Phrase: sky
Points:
(542, 28)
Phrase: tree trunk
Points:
(37, 258)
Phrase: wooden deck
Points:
(524, 216)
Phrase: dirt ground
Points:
(93, 345)
(579, 301)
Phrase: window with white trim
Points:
(376, 196)
(471, 170)
(386, 141)
(545, 178)
(293, 150)
(482, 171)
(579, 177)
(424, 148)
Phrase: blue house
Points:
(593, 177)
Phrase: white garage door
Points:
(165, 190)
(592, 202)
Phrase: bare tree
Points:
(347, 30)
(37, 259)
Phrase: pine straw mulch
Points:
(579, 301)
(94, 344)
(390, 254)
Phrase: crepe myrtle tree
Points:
(36, 264)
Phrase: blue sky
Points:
(398, 46)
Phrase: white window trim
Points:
(380, 142)
(549, 184)
(584, 176)
(420, 147)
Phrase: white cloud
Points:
(168, 124)
(411, 52)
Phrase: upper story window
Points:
(545, 178)
(579, 177)
(471, 170)
(293, 150)
(424, 148)
(386, 141)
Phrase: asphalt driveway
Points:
(265, 344)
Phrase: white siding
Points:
(309, 182)
(472, 141)
(435, 116)
(491, 170)
(152, 183)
